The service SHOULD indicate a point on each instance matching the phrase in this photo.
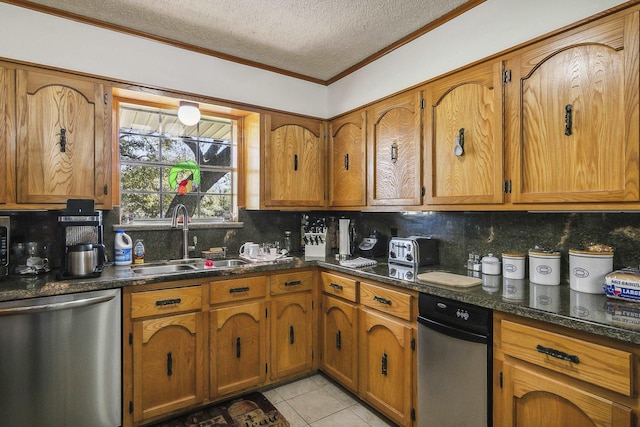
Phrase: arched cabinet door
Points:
(293, 162)
(574, 100)
(395, 144)
(63, 139)
(537, 400)
(463, 133)
(348, 161)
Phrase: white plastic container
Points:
(544, 267)
(513, 265)
(588, 268)
(122, 244)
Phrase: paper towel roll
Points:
(344, 247)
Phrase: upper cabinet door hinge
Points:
(423, 191)
(422, 104)
(106, 99)
(413, 343)
(506, 76)
(507, 186)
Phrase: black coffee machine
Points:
(80, 229)
(373, 246)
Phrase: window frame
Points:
(171, 105)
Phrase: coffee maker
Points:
(81, 236)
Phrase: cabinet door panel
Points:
(238, 351)
(60, 139)
(386, 365)
(294, 162)
(465, 111)
(347, 161)
(579, 112)
(340, 343)
(167, 360)
(395, 144)
(540, 401)
(291, 335)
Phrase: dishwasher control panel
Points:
(454, 313)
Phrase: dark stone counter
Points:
(558, 305)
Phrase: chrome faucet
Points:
(185, 229)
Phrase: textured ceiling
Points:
(314, 39)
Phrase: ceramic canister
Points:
(513, 265)
(588, 268)
(544, 267)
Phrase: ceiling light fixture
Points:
(189, 113)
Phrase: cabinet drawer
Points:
(237, 289)
(603, 366)
(165, 301)
(339, 286)
(386, 300)
(291, 282)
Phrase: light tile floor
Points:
(318, 402)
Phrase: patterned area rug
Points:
(252, 410)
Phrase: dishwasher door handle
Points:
(55, 306)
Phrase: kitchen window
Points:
(164, 163)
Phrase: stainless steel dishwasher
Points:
(60, 361)
(454, 363)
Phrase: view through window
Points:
(164, 163)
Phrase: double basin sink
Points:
(177, 266)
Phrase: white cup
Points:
(253, 250)
(244, 248)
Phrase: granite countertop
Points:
(558, 305)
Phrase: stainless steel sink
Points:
(163, 269)
(228, 263)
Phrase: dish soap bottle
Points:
(138, 252)
(122, 246)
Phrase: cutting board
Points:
(449, 279)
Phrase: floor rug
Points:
(252, 410)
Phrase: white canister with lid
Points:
(588, 268)
(490, 265)
(544, 267)
(513, 265)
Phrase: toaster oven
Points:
(414, 251)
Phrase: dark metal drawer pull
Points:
(338, 340)
(346, 162)
(63, 140)
(384, 364)
(382, 300)
(238, 348)
(292, 336)
(557, 354)
(336, 286)
(293, 283)
(237, 290)
(169, 364)
(568, 119)
(168, 302)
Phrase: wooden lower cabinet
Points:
(386, 365)
(291, 335)
(548, 376)
(167, 345)
(186, 345)
(340, 341)
(237, 348)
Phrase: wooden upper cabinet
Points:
(347, 161)
(394, 147)
(463, 137)
(6, 131)
(294, 161)
(573, 102)
(63, 135)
